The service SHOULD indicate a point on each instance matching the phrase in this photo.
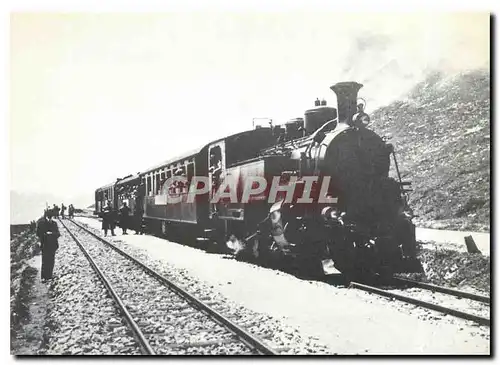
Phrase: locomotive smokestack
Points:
(347, 95)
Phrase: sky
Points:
(97, 96)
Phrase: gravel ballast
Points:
(347, 321)
(159, 310)
(83, 318)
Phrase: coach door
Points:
(216, 169)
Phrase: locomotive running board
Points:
(329, 267)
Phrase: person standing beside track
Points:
(108, 221)
(48, 233)
(71, 211)
(124, 215)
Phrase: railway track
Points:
(412, 296)
(416, 297)
(444, 290)
(164, 318)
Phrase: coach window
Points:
(148, 185)
(190, 171)
(162, 179)
(180, 170)
(158, 177)
(153, 183)
(152, 189)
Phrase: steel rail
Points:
(145, 346)
(421, 303)
(246, 337)
(441, 289)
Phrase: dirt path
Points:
(29, 336)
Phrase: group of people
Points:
(55, 211)
(109, 218)
(48, 231)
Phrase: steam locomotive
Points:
(344, 213)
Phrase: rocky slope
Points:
(441, 133)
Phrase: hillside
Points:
(441, 133)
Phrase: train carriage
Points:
(158, 213)
(102, 196)
(127, 191)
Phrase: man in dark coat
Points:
(63, 209)
(108, 219)
(48, 233)
(124, 213)
(71, 211)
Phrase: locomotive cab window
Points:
(215, 158)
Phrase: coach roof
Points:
(194, 152)
(179, 158)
